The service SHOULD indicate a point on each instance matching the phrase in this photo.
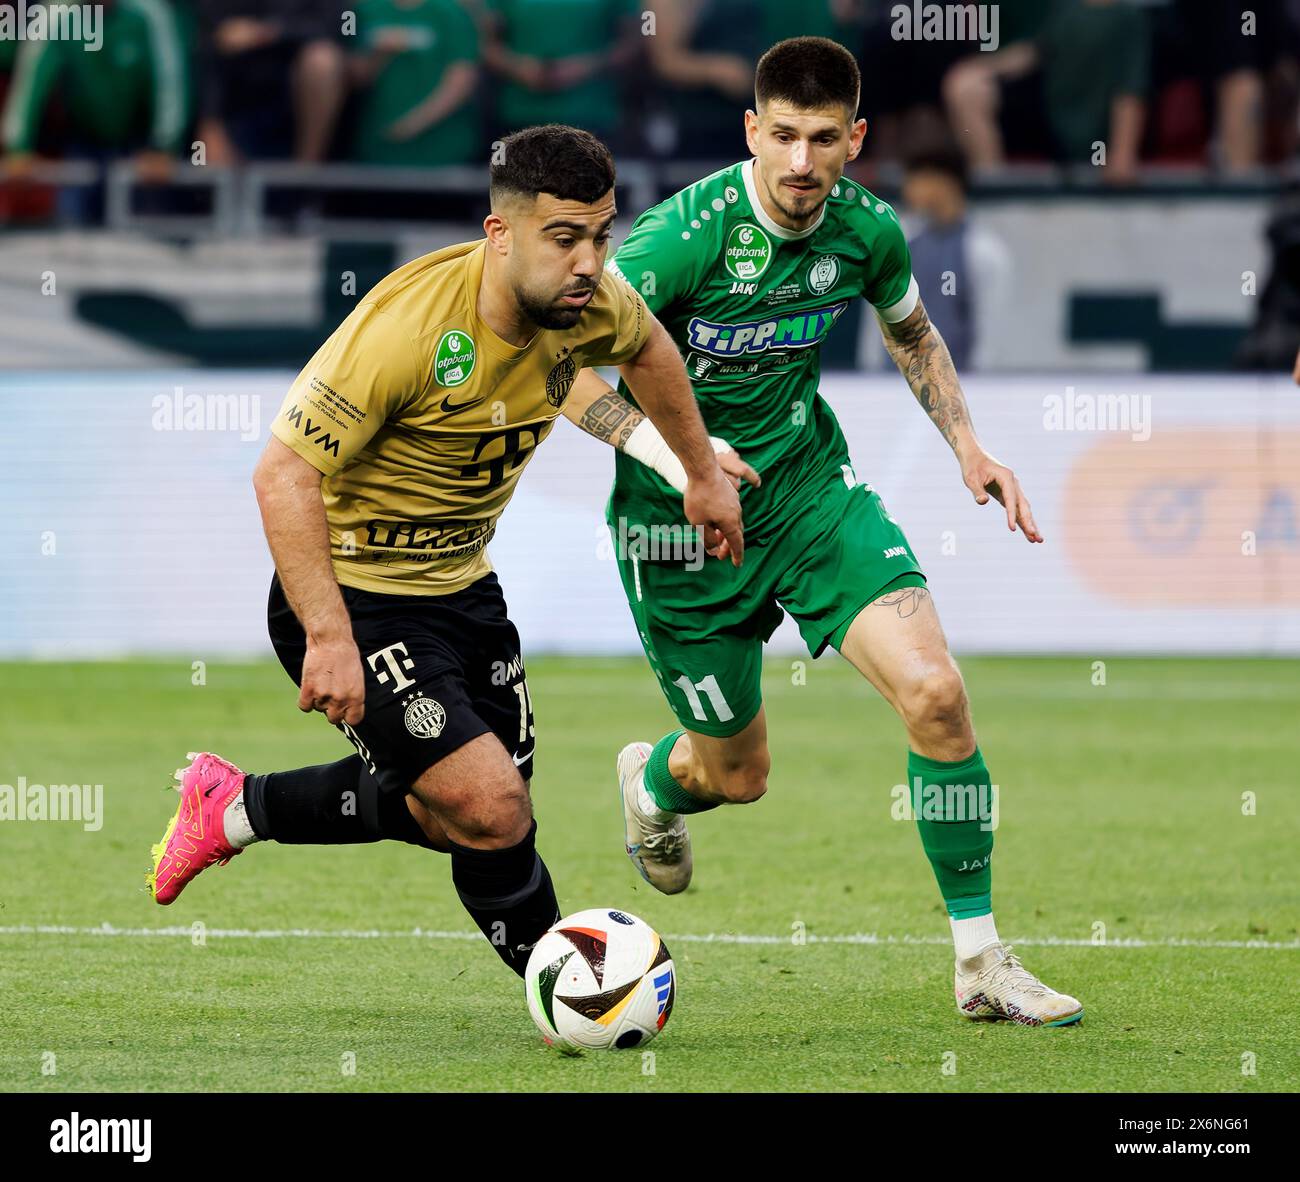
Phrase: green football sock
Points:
(955, 813)
(665, 791)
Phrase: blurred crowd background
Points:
(430, 83)
(271, 122)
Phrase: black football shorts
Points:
(440, 670)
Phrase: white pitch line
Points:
(861, 938)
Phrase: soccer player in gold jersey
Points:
(394, 454)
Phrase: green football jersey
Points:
(748, 304)
(440, 34)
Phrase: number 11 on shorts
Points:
(710, 686)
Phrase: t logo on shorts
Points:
(397, 666)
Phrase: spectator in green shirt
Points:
(130, 97)
(560, 60)
(417, 62)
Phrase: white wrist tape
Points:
(647, 445)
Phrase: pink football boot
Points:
(196, 835)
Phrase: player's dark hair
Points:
(566, 162)
(942, 158)
(810, 73)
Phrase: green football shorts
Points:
(703, 629)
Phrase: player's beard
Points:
(807, 210)
(545, 313)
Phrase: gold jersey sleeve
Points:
(362, 376)
(421, 419)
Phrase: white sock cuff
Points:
(239, 830)
(972, 936)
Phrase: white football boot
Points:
(659, 849)
(996, 985)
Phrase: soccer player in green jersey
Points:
(748, 269)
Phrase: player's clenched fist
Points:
(333, 681)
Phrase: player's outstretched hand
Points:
(985, 477)
(737, 470)
(712, 503)
(333, 682)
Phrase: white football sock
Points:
(239, 830)
(970, 937)
(647, 803)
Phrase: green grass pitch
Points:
(1121, 805)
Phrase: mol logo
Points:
(698, 365)
(800, 330)
(748, 252)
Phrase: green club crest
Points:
(748, 252)
(823, 274)
(453, 361)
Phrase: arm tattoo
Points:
(907, 600)
(923, 359)
(612, 418)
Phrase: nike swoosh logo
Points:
(449, 407)
(215, 786)
(520, 760)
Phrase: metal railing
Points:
(251, 201)
(242, 197)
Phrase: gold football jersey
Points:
(421, 418)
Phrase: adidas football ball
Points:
(600, 980)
